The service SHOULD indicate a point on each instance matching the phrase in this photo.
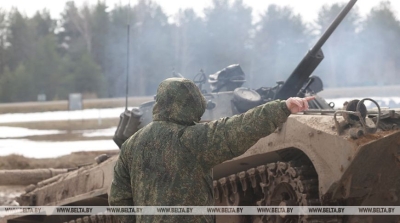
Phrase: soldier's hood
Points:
(180, 101)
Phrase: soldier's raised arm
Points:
(223, 139)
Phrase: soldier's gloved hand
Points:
(297, 104)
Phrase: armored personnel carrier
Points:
(322, 156)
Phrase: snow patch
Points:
(45, 149)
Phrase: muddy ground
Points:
(8, 194)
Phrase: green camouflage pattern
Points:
(169, 161)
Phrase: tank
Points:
(323, 156)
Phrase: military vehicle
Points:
(322, 156)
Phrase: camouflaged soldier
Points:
(169, 161)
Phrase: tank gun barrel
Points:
(311, 60)
(332, 27)
(26, 177)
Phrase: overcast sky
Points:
(307, 8)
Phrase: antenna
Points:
(127, 56)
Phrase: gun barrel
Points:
(311, 60)
(332, 27)
(26, 177)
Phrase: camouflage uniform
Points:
(169, 161)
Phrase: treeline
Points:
(85, 49)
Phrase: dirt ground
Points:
(9, 193)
